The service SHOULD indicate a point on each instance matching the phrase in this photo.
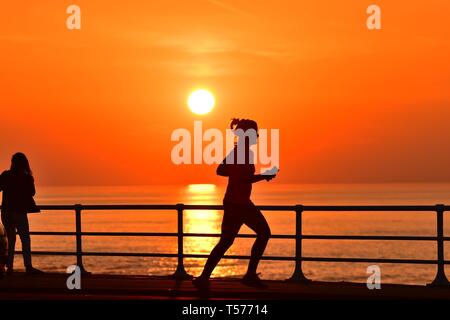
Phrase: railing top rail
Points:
(261, 207)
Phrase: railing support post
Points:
(298, 275)
(180, 273)
(78, 208)
(440, 279)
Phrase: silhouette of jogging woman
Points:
(238, 208)
(18, 189)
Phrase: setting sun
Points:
(201, 101)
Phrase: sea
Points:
(196, 221)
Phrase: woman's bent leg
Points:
(230, 227)
(216, 255)
(256, 221)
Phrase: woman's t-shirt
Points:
(240, 177)
(17, 191)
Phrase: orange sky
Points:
(97, 106)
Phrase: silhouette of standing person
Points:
(18, 189)
(238, 208)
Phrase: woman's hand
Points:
(269, 177)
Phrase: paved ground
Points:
(101, 287)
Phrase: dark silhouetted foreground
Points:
(53, 286)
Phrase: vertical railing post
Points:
(298, 275)
(440, 279)
(79, 245)
(180, 272)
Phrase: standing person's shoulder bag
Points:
(31, 206)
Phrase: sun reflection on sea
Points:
(201, 221)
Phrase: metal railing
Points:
(297, 276)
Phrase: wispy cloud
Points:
(195, 44)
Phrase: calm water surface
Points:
(324, 223)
